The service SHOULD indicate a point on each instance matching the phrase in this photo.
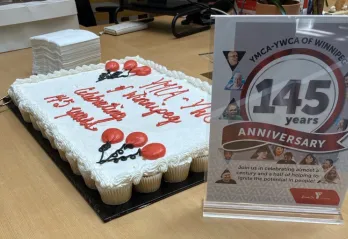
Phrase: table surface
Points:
(37, 201)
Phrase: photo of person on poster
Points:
(232, 58)
(331, 177)
(288, 159)
(232, 111)
(327, 164)
(228, 155)
(342, 125)
(226, 178)
(346, 80)
(236, 83)
(263, 153)
(309, 160)
(278, 152)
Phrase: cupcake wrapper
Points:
(25, 116)
(33, 121)
(115, 196)
(74, 167)
(177, 174)
(62, 155)
(149, 184)
(42, 132)
(88, 180)
(53, 145)
(199, 164)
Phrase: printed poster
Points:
(279, 111)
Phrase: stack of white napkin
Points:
(65, 49)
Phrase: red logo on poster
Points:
(315, 196)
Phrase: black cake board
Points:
(104, 211)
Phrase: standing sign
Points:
(278, 147)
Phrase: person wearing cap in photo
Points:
(226, 178)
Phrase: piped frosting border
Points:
(73, 153)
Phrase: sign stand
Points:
(278, 136)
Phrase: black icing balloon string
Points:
(130, 66)
(110, 136)
(133, 140)
(151, 151)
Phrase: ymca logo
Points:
(318, 194)
(315, 196)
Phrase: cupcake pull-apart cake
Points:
(127, 124)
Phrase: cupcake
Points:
(25, 115)
(86, 175)
(149, 184)
(42, 130)
(33, 121)
(199, 164)
(62, 155)
(50, 138)
(113, 195)
(178, 173)
(73, 164)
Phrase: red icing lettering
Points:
(200, 112)
(164, 89)
(133, 95)
(185, 98)
(160, 82)
(172, 94)
(122, 87)
(81, 117)
(62, 99)
(164, 85)
(88, 125)
(147, 104)
(199, 103)
(83, 90)
(151, 106)
(84, 121)
(98, 101)
(89, 95)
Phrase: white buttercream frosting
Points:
(183, 141)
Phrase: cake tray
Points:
(92, 197)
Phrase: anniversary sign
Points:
(278, 138)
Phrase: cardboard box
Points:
(20, 21)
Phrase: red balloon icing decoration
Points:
(130, 64)
(112, 136)
(135, 70)
(112, 66)
(137, 139)
(153, 151)
(143, 71)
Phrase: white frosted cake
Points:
(127, 122)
